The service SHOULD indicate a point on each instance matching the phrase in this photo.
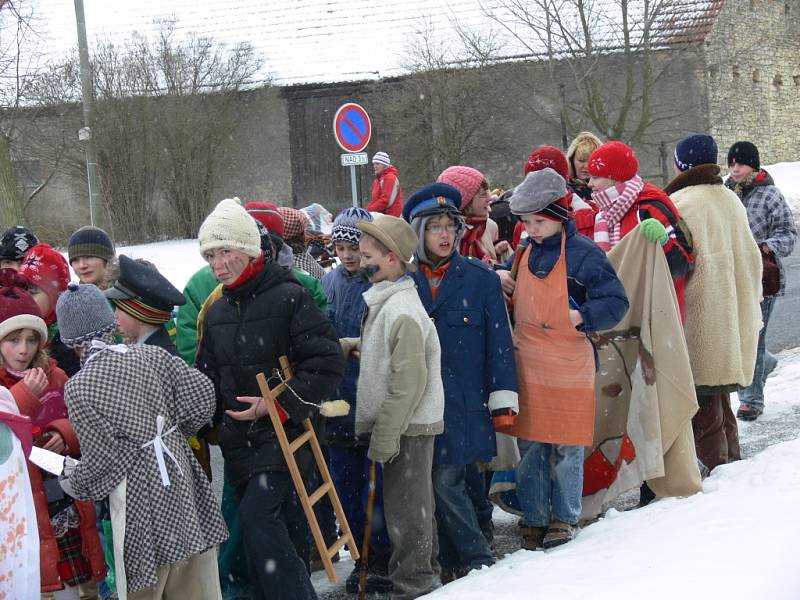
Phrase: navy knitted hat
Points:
(744, 153)
(695, 149)
(344, 225)
(90, 241)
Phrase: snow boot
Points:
(532, 537)
(557, 534)
(748, 412)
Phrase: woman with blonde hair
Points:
(578, 155)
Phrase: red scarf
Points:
(252, 269)
(471, 242)
(614, 203)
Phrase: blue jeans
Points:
(754, 395)
(349, 467)
(478, 493)
(549, 483)
(461, 541)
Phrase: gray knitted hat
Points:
(83, 313)
(538, 191)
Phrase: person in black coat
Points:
(264, 313)
(144, 300)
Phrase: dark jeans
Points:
(461, 541)
(478, 492)
(754, 395)
(349, 467)
(275, 535)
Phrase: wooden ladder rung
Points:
(300, 440)
(337, 545)
(321, 491)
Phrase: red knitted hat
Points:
(548, 156)
(18, 309)
(47, 269)
(613, 160)
(294, 223)
(267, 214)
(465, 179)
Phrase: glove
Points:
(654, 231)
(503, 418)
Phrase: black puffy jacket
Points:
(245, 332)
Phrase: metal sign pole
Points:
(353, 185)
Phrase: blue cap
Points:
(433, 199)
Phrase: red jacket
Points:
(92, 549)
(387, 195)
(654, 203)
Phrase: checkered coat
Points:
(113, 404)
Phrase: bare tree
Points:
(605, 59)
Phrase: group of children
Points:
(441, 347)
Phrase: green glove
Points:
(654, 231)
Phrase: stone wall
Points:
(753, 77)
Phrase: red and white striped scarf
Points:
(614, 203)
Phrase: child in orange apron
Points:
(565, 289)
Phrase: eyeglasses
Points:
(437, 229)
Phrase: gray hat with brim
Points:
(537, 191)
(395, 234)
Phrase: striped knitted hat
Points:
(344, 225)
(90, 241)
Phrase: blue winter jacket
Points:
(592, 283)
(477, 357)
(345, 310)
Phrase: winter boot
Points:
(748, 412)
(532, 537)
(557, 534)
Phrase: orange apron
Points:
(555, 362)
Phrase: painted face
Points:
(227, 264)
(579, 163)
(126, 323)
(598, 184)
(90, 269)
(378, 266)
(440, 237)
(540, 228)
(739, 172)
(349, 254)
(479, 206)
(19, 348)
(42, 300)
(7, 263)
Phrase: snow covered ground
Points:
(787, 179)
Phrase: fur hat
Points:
(345, 228)
(229, 226)
(18, 309)
(83, 314)
(547, 156)
(48, 270)
(744, 153)
(382, 158)
(395, 234)
(544, 192)
(695, 149)
(267, 214)
(613, 160)
(15, 242)
(90, 241)
(466, 180)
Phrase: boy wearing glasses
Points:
(464, 299)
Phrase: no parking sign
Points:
(352, 127)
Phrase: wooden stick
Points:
(362, 576)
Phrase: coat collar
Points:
(381, 291)
(699, 175)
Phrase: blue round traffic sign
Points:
(352, 127)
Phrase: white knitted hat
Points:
(382, 159)
(229, 226)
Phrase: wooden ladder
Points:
(327, 488)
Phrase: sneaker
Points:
(557, 534)
(748, 412)
(532, 537)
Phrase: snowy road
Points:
(784, 328)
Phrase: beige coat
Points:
(723, 316)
